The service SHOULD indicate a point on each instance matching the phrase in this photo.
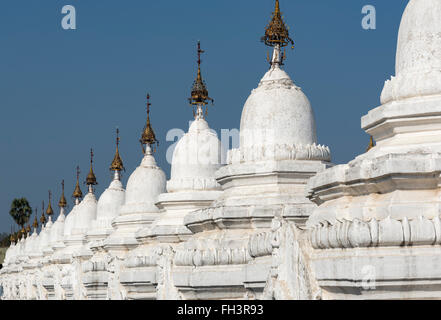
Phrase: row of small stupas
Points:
(279, 221)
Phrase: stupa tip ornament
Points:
(117, 164)
(23, 232)
(91, 179)
(78, 194)
(28, 229)
(49, 211)
(35, 224)
(62, 203)
(199, 92)
(148, 137)
(42, 218)
(277, 36)
(12, 238)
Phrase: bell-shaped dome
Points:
(145, 184)
(277, 114)
(57, 230)
(45, 235)
(70, 221)
(35, 244)
(418, 59)
(196, 158)
(85, 214)
(110, 201)
(30, 244)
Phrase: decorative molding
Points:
(387, 232)
(279, 152)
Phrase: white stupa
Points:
(46, 246)
(63, 251)
(263, 179)
(196, 158)
(192, 186)
(37, 238)
(109, 203)
(85, 214)
(95, 276)
(384, 206)
(144, 186)
(57, 231)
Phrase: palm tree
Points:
(20, 211)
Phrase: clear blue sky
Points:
(63, 92)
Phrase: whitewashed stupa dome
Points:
(85, 214)
(196, 158)
(110, 201)
(277, 112)
(278, 122)
(30, 244)
(45, 235)
(57, 230)
(70, 221)
(145, 184)
(418, 60)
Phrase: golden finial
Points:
(35, 224)
(277, 33)
(117, 164)
(77, 192)
(42, 218)
(91, 179)
(28, 229)
(148, 135)
(23, 232)
(199, 92)
(49, 210)
(371, 144)
(62, 203)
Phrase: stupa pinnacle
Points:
(148, 137)
(117, 164)
(42, 218)
(277, 36)
(77, 194)
(199, 92)
(62, 203)
(49, 211)
(91, 179)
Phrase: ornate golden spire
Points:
(371, 144)
(117, 164)
(199, 93)
(277, 32)
(28, 229)
(77, 194)
(23, 232)
(49, 211)
(35, 224)
(148, 135)
(42, 218)
(62, 203)
(91, 179)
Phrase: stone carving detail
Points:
(279, 152)
(194, 183)
(403, 86)
(291, 275)
(388, 232)
(210, 257)
(166, 289)
(260, 244)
